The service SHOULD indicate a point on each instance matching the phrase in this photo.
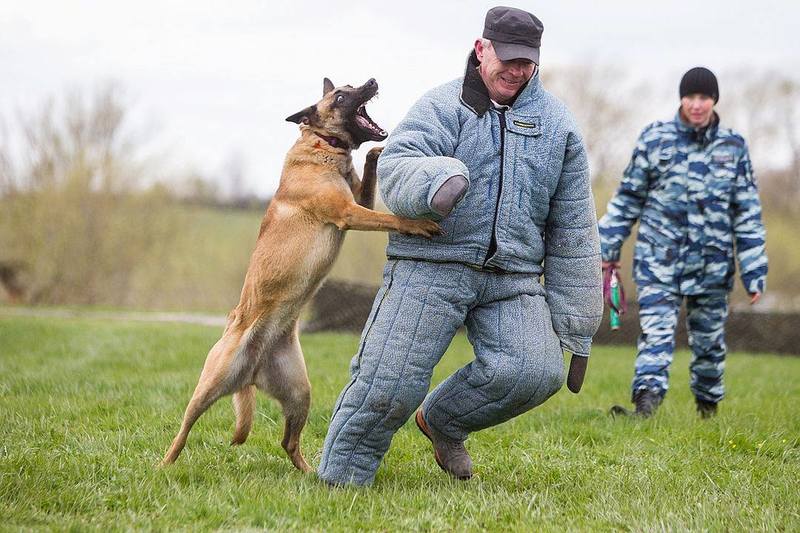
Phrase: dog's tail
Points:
(244, 404)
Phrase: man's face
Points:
(696, 109)
(504, 79)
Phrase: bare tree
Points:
(765, 106)
(233, 173)
(78, 220)
(607, 108)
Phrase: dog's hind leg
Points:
(244, 403)
(216, 380)
(284, 377)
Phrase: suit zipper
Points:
(493, 243)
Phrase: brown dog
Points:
(319, 197)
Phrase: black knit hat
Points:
(700, 80)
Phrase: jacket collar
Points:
(475, 95)
(700, 135)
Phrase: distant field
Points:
(197, 258)
(88, 407)
(205, 269)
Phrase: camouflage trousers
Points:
(705, 322)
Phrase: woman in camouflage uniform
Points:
(690, 184)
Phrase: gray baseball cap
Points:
(515, 34)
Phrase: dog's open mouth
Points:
(368, 126)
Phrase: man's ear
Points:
(327, 86)
(305, 116)
(478, 49)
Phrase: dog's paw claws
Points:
(428, 229)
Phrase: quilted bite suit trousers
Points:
(518, 361)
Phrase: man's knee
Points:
(381, 396)
(523, 383)
(552, 378)
(394, 401)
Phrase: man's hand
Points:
(577, 371)
(754, 297)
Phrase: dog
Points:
(320, 196)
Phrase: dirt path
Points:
(139, 316)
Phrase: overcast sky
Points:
(210, 80)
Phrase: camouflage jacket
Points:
(695, 196)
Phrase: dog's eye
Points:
(340, 99)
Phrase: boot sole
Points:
(423, 427)
(618, 410)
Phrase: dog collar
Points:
(336, 142)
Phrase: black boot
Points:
(646, 402)
(706, 409)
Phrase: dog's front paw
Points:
(372, 155)
(423, 227)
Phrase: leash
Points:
(621, 306)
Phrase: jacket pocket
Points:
(654, 262)
(719, 182)
(666, 156)
(718, 267)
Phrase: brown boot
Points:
(452, 457)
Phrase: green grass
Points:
(88, 407)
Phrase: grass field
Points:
(88, 407)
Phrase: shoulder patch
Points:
(731, 138)
(723, 157)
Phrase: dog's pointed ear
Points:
(303, 117)
(327, 86)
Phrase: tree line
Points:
(79, 207)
